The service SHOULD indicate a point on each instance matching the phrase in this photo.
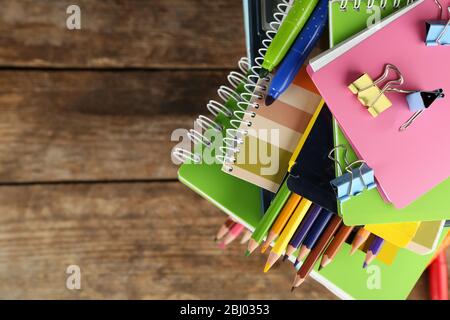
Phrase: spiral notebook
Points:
(369, 207)
(378, 141)
(203, 158)
(270, 135)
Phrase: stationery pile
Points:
(336, 160)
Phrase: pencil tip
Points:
(252, 245)
(364, 265)
(269, 100)
(320, 268)
(247, 253)
(264, 248)
(296, 263)
(267, 267)
(285, 257)
(292, 289)
(263, 72)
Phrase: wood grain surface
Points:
(122, 33)
(101, 125)
(86, 176)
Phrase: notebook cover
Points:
(369, 207)
(274, 132)
(393, 155)
(235, 197)
(311, 175)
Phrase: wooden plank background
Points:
(85, 170)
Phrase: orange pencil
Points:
(335, 245)
(361, 236)
(282, 220)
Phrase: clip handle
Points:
(441, 35)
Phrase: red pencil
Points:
(437, 272)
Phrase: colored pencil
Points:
(288, 232)
(247, 235)
(335, 245)
(269, 217)
(224, 229)
(282, 219)
(361, 236)
(314, 234)
(374, 249)
(303, 229)
(235, 231)
(438, 274)
(314, 256)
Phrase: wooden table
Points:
(85, 169)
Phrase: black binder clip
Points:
(418, 102)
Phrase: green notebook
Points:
(235, 197)
(369, 207)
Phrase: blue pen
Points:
(299, 52)
(314, 233)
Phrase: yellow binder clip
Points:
(369, 93)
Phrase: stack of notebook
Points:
(352, 141)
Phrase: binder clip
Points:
(354, 180)
(369, 93)
(438, 31)
(418, 102)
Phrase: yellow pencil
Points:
(282, 219)
(287, 233)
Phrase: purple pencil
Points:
(374, 249)
(302, 230)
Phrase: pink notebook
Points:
(406, 164)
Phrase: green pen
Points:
(287, 33)
(269, 217)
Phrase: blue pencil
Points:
(374, 249)
(303, 230)
(314, 234)
(299, 52)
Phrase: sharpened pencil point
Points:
(263, 72)
(269, 100)
(296, 263)
(267, 267)
(252, 245)
(285, 257)
(264, 248)
(292, 289)
(364, 265)
(247, 253)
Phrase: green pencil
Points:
(288, 31)
(269, 217)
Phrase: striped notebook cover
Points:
(273, 134)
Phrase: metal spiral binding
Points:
(371, 3)
(254, 90)
(215, 107)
